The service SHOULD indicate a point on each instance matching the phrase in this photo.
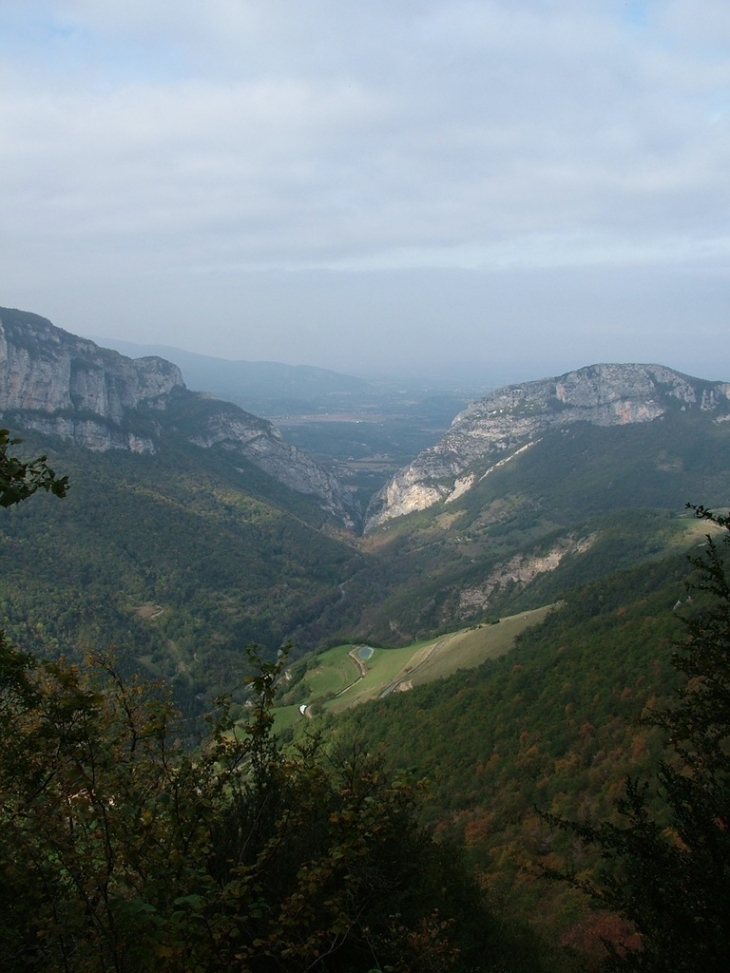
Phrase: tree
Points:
(20, 480)
(667, 867)
(119, 851)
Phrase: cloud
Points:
(147, 139)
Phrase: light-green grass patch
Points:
(336, 682)
(285, 717)
(383, 666)
(334, 673)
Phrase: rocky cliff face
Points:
(70, 387)
(260, 442)
(59, 384)
(495, 429)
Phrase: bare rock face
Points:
(520, 569)
(260, 442)
(68, 386)
(62, 385)
(495, 429)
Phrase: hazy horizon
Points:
(450, 375)
(380, 187)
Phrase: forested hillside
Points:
(180, 553)
(580, 503)
(193, 528)
(546, 728)
(177, 559)
(122, 851)
(183, 556)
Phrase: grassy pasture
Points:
(286, 716)
(469, 648)
(383, 666)
(334, 673)
(336, 682)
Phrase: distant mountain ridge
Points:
(58, 384)
(503, 424)
(182, 536)
(263, 387)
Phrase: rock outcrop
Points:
(70, 387)
(59, 384)
(497, 428)
(260, 442)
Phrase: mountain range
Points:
(216, 532)
(498, 428)
(59, 384)
(191, 529)
(262, 387)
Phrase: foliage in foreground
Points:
(120, 852)
(20, 480)
(667, 869)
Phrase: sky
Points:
(373, 185)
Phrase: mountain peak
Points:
(498, 427)
(70, 387)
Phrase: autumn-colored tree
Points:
(667, 868)
(120, 851)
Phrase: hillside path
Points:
(393, 686)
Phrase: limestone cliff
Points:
(497, 428)
(59, 384)
(68, 386)
(259, 441)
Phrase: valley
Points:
(366, 446)
(240, 532)
(363, 430)
(482, 594)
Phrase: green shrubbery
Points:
(666, 863)
(120, 851)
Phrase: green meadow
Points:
(347, 675)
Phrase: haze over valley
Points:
(422, 524)
(364, 486)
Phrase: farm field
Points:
(347, 675)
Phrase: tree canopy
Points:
(121, 851)
(667, 865)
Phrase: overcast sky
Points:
(534, 184)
